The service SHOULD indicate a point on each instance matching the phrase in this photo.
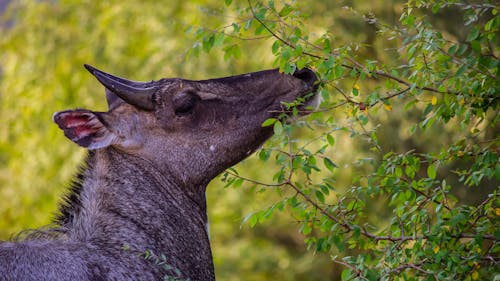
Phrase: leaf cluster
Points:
(450, 82)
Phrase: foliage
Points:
(394, 177)
(452, 84)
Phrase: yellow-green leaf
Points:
(431, 171)
(269, 122)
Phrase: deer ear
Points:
(85, 128)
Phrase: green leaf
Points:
(453, 49)
(232, 51)
(228, 2)
(269, 122)
(237, 182)
(320, 196)
(427, 109)
(208, 43)
(431, 171)
(251, 218)
(435, 8)
(278, 128)
(306, 229)
(473, 34)
(275, 47)
(489, 24)
(476, 46)
(289, 68)
(338, 70)
(461, 70)
(398, 172)
(286, 10)
(324, 189)
(264, 154)
(346, 274)
(329, 164)
(327, 45)
(462, 49)
(219, 38)
(236, 27)
(261, 13)
(330, 139)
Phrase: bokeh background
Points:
(43, 45)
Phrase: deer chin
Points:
(311, 104)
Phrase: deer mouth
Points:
(305, 104)
(309, 100)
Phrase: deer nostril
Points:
(306, 75)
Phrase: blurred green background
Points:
(43, 45)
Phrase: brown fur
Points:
(142, 188)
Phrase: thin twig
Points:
(254, 181)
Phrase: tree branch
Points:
(358, 66)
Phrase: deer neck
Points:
(124, 202)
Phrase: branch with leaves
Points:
(424, 229)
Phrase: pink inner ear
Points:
(78, 124)
(72, 119)
(84, 131)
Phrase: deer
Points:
(141, 188)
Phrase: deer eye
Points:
(184, 102)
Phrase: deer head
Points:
(192, 129)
